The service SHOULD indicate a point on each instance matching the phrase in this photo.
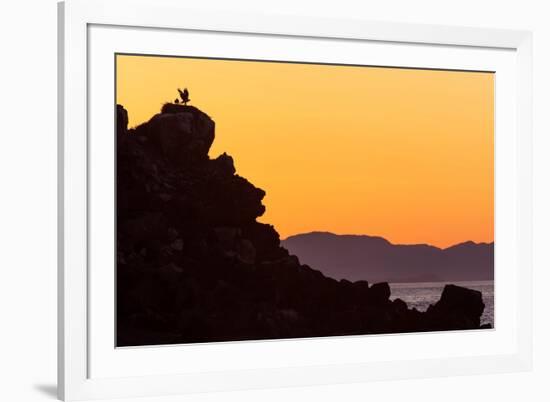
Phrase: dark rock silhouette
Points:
(374, 258)
(181, 135)
(194, 265)
(458, 308)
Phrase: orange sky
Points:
(403, 154)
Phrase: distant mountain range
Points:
(375, 259)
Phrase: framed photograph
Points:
(251, 201)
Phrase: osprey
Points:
(184, 96)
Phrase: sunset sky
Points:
(399, 153)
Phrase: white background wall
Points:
(28, 199)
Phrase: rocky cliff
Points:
(194, 265)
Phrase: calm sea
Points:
(421, 295)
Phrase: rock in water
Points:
(380, 292)
(458, 308)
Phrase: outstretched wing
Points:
(185, 93)
(182, 94)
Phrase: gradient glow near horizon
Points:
(399, 153)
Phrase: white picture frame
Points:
(78, 330)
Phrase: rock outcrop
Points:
(194, 265)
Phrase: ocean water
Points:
(421, 295)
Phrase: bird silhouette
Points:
(184, 96)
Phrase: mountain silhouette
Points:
(195, 265)
(356, 257)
